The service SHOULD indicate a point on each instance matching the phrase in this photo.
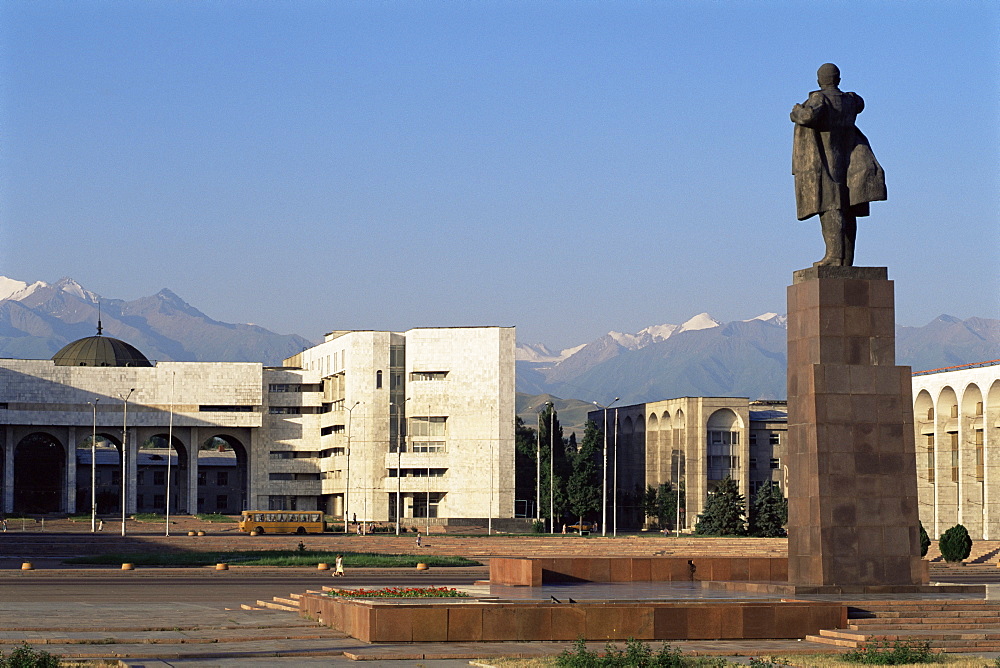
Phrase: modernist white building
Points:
(956, 414)
(346, 426)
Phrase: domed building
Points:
(100, 351)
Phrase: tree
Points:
(583, 488)
(560, 467)
(666, 505)
(525, 470)
(649, 502)
(925, 540)
(724, 511)
(955, 544)
(769, 512)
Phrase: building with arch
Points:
(342, 427)
(695, 442)
(956, 415)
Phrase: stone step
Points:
(829, 640)
(291, 603)
(271, 605)
(918, 626)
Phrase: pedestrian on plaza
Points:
(338, 570)
(4, 522)
(100, 526)
(418, 539)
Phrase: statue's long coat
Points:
(833, 163)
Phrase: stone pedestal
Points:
(852, 485)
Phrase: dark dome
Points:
(100, 351)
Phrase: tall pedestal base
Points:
(852, 487)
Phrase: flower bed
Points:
(399, 592)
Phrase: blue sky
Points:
(565, 167)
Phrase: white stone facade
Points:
(956, 416)
(434, 403)
(448, 391)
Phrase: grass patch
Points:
(216, 517)
(898, 653)
(839, 661)
(78, 518)
(288, 558)
(149, 517)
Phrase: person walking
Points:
(418, 539)
(338, 568)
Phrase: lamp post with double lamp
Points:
(124, 399)
(604, 487)
(347, 484)
(93, 471)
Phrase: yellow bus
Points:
(282, 521)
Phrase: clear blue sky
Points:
(565, 167)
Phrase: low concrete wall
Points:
(483, 621)
(533, 572)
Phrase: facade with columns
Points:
(350, 426)
(696, 442)
(956, 416)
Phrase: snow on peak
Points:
(772, 318)
(70, 286)
(16, 290)
(700, 321)
(644, 337)
(539, 352)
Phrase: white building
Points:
(425, 416)
(331, 430)
(956, 415)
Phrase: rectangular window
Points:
(222, 478)
(140, 478)
(954, 454)
(139, 501)
(202, 478)
(397, 356)
(753, 463)
(753, 438)
(221, 503)
(775, 463)
(225, 409)
(159, 477)
(980, 453)
(775, 438)
(285, 410)
(281, 476)
(428, 375)
(280, 454)
(930, 458)
(159, 500)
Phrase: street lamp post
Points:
(347, 484)
(399, 460)
(93, 471)
(614, 494)
(552, 450)
(124, 399)
(604, 487)
(170, 446)
(538, 468)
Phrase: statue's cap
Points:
(828, 73)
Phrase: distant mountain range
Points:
(701, 357)
(38, 319)
(705, 357)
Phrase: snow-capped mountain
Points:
(37, 319)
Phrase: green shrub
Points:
(880, 653)
(925, 541)
(955, 544)
(27, 656)
(538, 526)
(636, 653)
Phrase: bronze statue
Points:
(836, 173)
